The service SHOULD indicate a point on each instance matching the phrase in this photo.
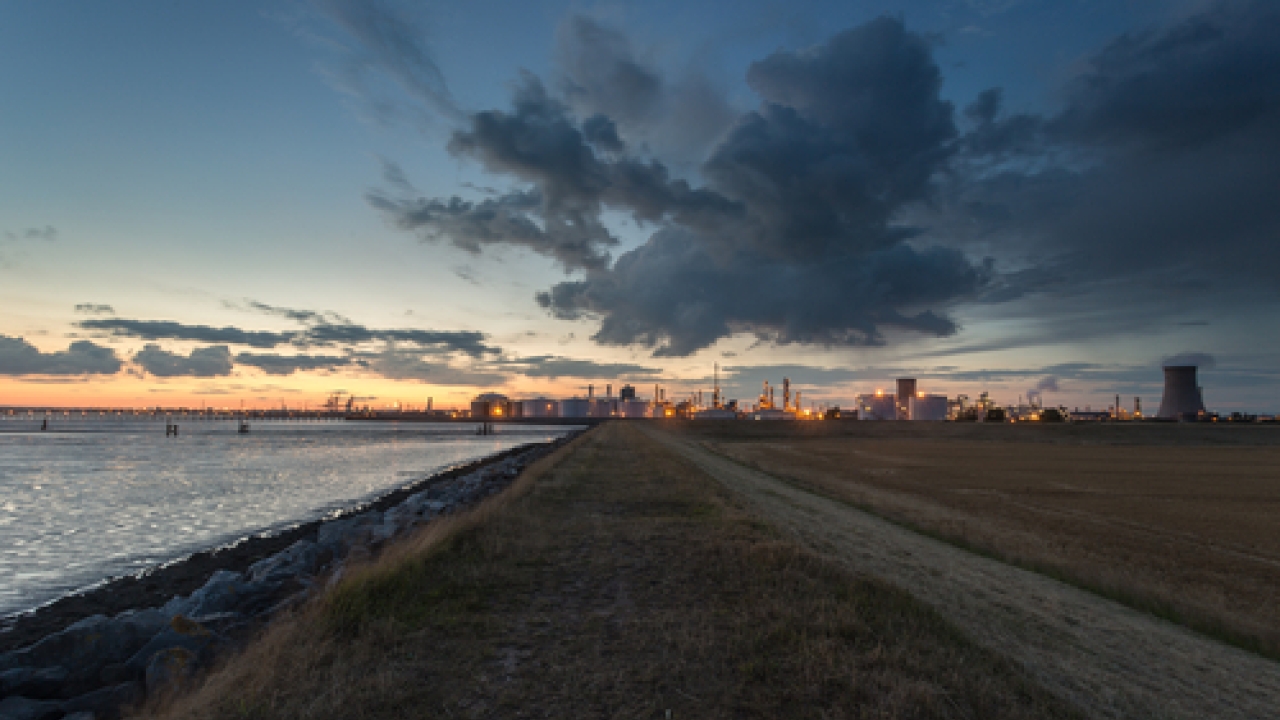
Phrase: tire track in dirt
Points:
(1110, 660)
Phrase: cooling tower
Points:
(1181, 393)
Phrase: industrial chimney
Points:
(1181, 393)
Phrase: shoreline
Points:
(155, 586)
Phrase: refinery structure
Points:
(1182, 400)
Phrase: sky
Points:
(262, 203)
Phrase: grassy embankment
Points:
(1175, 520)
(612, 580)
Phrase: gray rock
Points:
(339, 536)
(20, 708)
(89, 645)
(230, 592)
(34, 683)
(217, 623)
(299, 559)
(182, 633)
(218, 594)
(106, 703)
(170, 667)
(116, 673)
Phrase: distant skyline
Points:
(209, 203)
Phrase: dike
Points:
(88, 655)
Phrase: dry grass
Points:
(619, 583)
(1179, 521)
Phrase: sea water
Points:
(97, 497)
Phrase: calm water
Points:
(94, 498)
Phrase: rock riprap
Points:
(101, 664)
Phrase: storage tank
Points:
(575, 408)
(1181, 393)
(927, 407)
(541, 407)
(635, 409)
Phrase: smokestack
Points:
(715, 399)
(786, 393)
(1181, 393)
(591, 391)
(608, 390)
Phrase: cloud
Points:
(601, 73)
(48, 233)
(601, 76)
(792, 239)
(320, 332)
(552, 366)
(276, 364)
(18, 357)
(442, 341)
(166, 330)
(95, 309)
(303, 317)
(1048, 383)
(1153, 181)
(403, 364)
(390, 40)
(1204, 361)
(214, 361)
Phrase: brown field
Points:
(1179, 520)
(615, 580)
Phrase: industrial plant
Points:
(1182, 401)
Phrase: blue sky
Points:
(180, 162)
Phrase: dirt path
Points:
(1109, 660)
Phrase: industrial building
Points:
(902, 399)
(1183, 398)
(491, 405)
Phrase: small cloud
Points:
(19, 357)
(48, 233)
(1204, 361)
(213, 361)
(95, 309)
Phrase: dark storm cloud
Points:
(552, 366)
(214, 361)
(19, 357)
(165, 330)
(1159, 169)
(276, 364)
(792, 239)
(672, 295)
(95, 309)
(601, 75)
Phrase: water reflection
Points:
(95, 497)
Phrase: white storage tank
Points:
(541, 407)
(575, 408)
